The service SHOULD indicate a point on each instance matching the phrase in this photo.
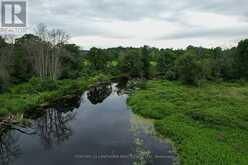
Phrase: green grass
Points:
(36, 92)
(209, 124)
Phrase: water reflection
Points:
(53, 128)
(9, 148)
(121, 85)
(98, 94)
(67, 131)
(67, 104)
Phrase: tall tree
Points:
(166, 63)
(131, 63)
(241, 59)
(165, 60)
(97, 58)
(190, 69)
(45, 51)
(146, 61)
(71, 62)
(6, 62)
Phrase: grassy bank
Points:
(209, 124)
(37, 92)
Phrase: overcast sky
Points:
(159, 23)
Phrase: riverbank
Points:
(208, 124)
(40, 93)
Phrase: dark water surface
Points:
(96, 129)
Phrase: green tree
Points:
(97, 58)
(241, 59)
(166, 64)
(71, 62)
(131, 63)
(146, 61)
(22, 69)
(189, 69)
(6, 63)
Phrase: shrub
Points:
(241, 59)
(131, 64)
(189, 69)
(1, 86)
(47, 85)
(170, 75)
(3, 112)
(35, 85)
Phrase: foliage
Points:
(166, 61)
(209, 124)
(22, 69)
(29, 95)
(191, 65)
(146, 61)
(3, 86)
(242, 59)
(189, 69)
(35, 85)
(71, 63)
(131, 63)
(97, 58)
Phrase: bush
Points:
(35, 85)
(189, 69)
(1, 86)
(241, 59)
(4, 86)
(3, 112)
(47, 85)
(131, 64)
(170, 75)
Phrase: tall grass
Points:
(209, 124)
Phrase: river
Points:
(97, 128)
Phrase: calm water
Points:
(96, 129)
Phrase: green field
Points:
(208, 124)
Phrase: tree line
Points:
(47, 55)
(192, 65)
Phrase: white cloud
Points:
(161, 23)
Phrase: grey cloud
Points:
(133, 10)
(138, 9)
(82, 18)
(207, 33)
(71, 22)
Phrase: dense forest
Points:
(48, 56)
